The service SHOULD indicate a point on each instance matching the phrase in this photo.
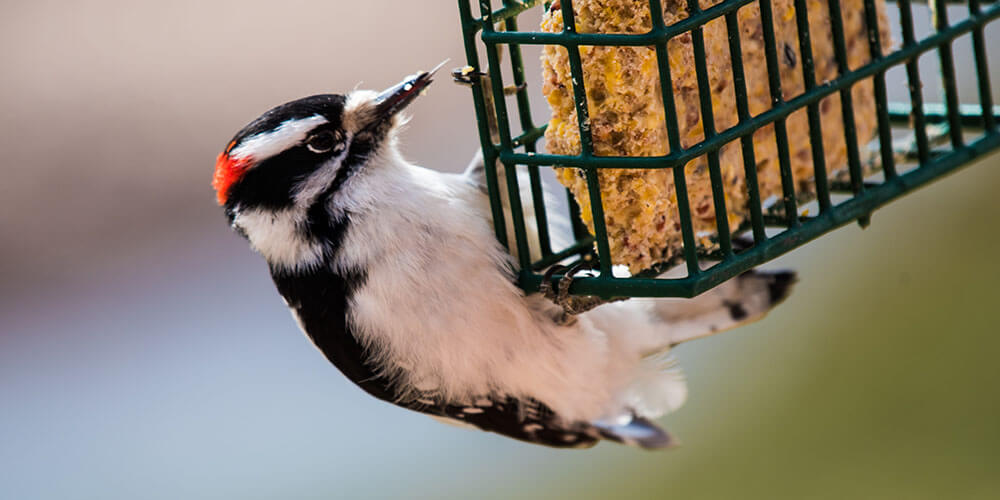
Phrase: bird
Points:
(395, 274)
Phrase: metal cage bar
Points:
(587, 145)
(875, 49)
(708, 129)
(524, 114)
(490, 153)
(778, 100)
(914, 83)
(673, 137)
(746, 141)
(982, 69)
(510, 168)
(846, 98)
(812, 109)
(939, 15)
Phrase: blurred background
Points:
(144, 352)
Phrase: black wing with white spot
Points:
(524, 420)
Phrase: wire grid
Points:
(954, 122)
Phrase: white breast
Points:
(441, 311)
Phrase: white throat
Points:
(279, 235)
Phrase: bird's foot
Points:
(571, 305)
(468, 76)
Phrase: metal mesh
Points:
(940, 137)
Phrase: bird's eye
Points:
(322, 142)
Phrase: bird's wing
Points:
(475, 175)
(475, 172)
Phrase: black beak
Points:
(394, 99)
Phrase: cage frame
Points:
(865, 197)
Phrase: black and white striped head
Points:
(308, 146)
(280, 178)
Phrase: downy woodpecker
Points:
(393, 271)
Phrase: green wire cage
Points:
(943, 136)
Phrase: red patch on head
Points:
(227, 171)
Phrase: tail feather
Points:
(637, 432)
(739, 301)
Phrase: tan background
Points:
(144, 353)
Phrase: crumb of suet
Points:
(627, 115)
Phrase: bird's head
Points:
(307, 146)
(284, 178)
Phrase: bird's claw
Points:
(468, 76)
(571, 305)
(513, 89)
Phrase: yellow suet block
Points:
(627, 115)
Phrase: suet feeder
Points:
(914, 142)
